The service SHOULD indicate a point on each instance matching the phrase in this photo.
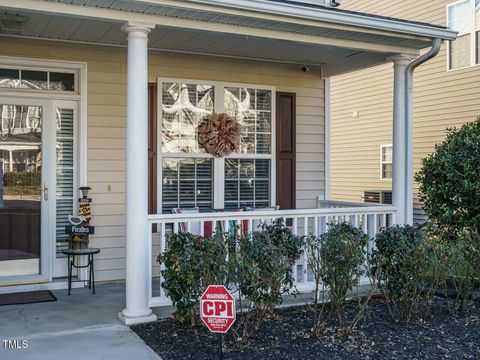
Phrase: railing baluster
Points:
(321, 224)
(384, 220)
(162, 251)
(372, 230)
(354, 220)
(150, 270)
(305, 255)
(295, 232)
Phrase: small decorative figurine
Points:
(80, 227)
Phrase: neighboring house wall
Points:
(106, 125)
(442, 99)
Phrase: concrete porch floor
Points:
(79, 326)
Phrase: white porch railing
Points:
(302, 222)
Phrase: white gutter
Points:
(331, 16)
(435, 49)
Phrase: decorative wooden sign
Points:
(79, 230)
(84, 208)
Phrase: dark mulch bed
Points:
(444, 336)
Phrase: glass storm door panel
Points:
(22, 187)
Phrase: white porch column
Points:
(400, 162)
(137, 252)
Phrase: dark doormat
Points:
(26, 297)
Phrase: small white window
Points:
(464, 16)
(31, 79)
(386, 162)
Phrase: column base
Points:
(136, 320)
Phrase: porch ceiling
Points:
(186, 26)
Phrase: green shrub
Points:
(337, 259)
(262, 271)
(450, 191)
(461, 266)
(407, 263)
(450, 182)
(191, 264)
(22, 179)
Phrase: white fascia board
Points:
(258, 7)
(337, 17)
(51, 7)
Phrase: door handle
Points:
(45, 191)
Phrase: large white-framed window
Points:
(190, 177)
(386, 162)
(464, 16)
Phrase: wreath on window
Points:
(219, 134)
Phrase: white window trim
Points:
(472, 32)
(382, 163)
(218, 163)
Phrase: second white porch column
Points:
(137, 252)
(399, 176)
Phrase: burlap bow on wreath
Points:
(219, 134)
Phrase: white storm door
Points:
(27, 177)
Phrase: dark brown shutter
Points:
(286, 152)
(152, 148)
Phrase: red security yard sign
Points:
(217, 309)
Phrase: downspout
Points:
(435, 49)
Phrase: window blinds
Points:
(65, 173)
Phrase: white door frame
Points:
(57, 266)
(47, 214)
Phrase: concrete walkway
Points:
(77, 327)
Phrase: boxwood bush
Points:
(191, 264)
(337, 259)
(405, 264)
(262, 271)
(450, 182)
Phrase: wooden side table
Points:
(71, 264)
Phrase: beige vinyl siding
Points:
(106, 125)
(441, 99)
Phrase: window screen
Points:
(387, 162)
(247, 183)
(187, 183)
(253, 109)
(462, 17)
(184, 106)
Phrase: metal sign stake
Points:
(220, 350)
